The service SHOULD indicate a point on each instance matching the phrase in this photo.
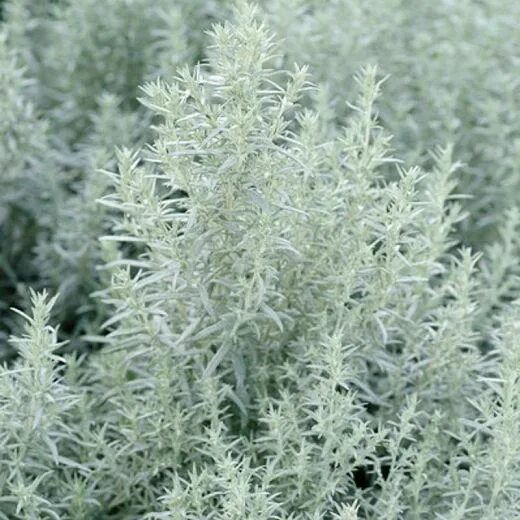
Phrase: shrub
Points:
(293, 324)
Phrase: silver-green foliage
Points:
(292, 332)
(296, 319)
(37, 425)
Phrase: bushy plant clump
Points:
(265, 313)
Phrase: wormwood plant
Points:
(293, 331)
(295, 315)
(34, 412)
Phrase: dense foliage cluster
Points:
(284, 291)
